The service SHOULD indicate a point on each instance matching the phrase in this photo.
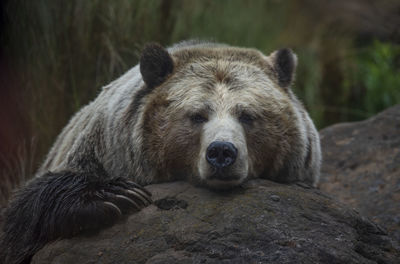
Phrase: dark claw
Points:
(144, 195)
(124, 203)
(137, 186)
(126, 195)
(118, 196)
(131, 189)
(138, 195)
(113, 207)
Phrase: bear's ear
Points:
(284, 62)
(155, 64)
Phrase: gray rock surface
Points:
(262, 222)
(362, 166)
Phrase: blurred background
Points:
(55, 55)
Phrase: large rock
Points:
(362, 166)
(262, 222)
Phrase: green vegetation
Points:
(59, 53)
(379, 74)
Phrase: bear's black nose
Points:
(221, 154)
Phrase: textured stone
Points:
(197, 225)
(362, 166)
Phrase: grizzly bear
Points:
(208, 113)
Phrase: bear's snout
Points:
(221, 154)
(223, 161)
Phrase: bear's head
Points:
(218, 115)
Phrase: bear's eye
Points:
(246, 118)
(198, 118)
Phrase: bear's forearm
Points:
(63, 204)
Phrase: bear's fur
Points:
(208, 113)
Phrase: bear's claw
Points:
(138, 194)
(125, 195)
(113, 207)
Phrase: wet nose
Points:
(221, 154)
